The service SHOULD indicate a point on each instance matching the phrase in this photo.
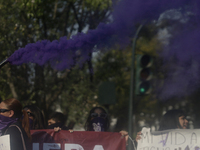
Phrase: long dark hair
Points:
(38, 117)
(16, 106)
(87, 124)
(170, 119)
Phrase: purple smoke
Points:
(183, 63)
(62, 54)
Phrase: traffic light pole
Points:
(132, 88)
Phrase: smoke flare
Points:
(4, 62)
(61, 53)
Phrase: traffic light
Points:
(143, 74)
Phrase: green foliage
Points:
(114, 66)
(27, 21)
(98, 4)
(74, 91)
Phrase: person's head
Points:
(97, 120)
(35, 116)
(173, 119)
(12, 108)
(57, 119)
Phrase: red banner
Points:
(77, 140)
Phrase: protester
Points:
(36, 117)
(11, 123)
(57, 121)
(98, 120)
(172, 119)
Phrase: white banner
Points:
(178, 139)
(5, 142)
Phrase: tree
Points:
(30, 21)
(115, 66)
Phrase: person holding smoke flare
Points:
(11, 123)
(172, 119)
(36, 117)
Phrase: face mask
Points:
(31, 123)
(6, 121)
(98, 124)
(58, 124)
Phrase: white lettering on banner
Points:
(177, 139)
(51, 146)
(68, 146)
(73, 146)
(98, 147)
(35, 146)
(47, 146)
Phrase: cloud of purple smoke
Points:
(61, 53)
(183, 63)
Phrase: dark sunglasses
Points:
(102, 115)
(30, 114)
(3, 110)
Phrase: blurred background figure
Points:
(173, 119)
(36, 117)
(15, 122)
(57, 120)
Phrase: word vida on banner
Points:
(177, 139)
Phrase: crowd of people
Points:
(17, 121)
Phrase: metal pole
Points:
(132, 88)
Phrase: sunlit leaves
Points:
(98, 4)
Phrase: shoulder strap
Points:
(23, 142)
